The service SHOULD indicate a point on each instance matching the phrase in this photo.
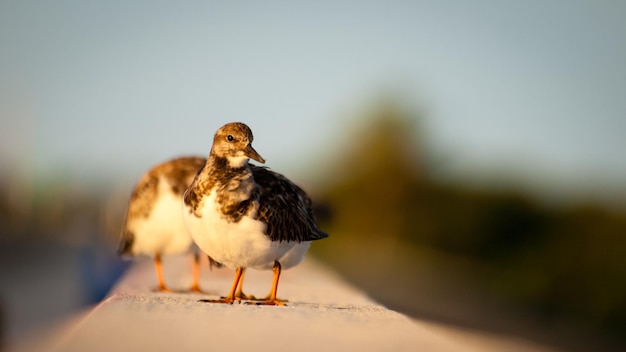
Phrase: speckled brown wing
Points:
(285, 208)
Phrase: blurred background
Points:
(467, 158)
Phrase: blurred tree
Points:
(373, 195)
(565, 263)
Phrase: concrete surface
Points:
(323, 314)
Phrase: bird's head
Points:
(233, 141)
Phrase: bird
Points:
(154, 225)
(247, 216)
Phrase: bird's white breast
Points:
(164, 230)
(234, 244)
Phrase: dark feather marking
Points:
(192, 199)
(126, 243)
(213, 263)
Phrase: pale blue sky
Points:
(529, 87)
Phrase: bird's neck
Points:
(222, 162)
(220, 171)
(218, 164)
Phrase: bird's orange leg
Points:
(272, 301)
(195, 286)
(231, 295)
(239, 294)
(159, 270)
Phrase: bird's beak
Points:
(252, 154)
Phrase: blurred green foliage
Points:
(562, 262)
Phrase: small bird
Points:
(154, 224)
(247, 216)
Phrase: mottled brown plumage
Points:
(179, 173)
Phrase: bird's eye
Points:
(230, 138)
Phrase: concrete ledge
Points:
(324, 313)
